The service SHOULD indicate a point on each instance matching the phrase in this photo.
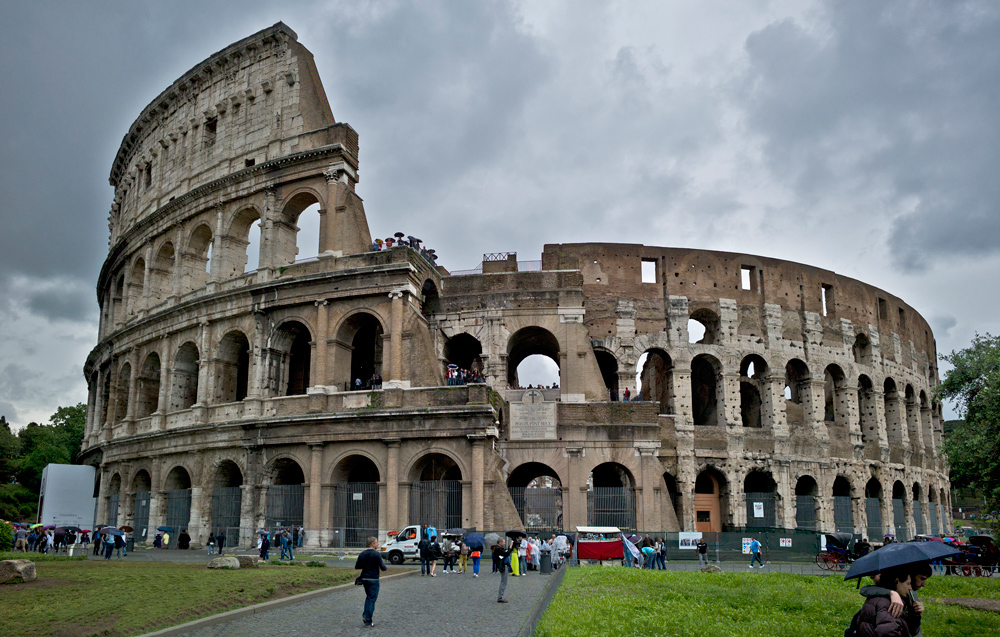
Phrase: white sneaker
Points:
(433, 575)
(475, 574)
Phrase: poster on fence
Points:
(688, 540)
(758, 509)
(746, 545)
(785, 542)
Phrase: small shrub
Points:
(315, 564)
(6, 536)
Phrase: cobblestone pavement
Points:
(444, 606)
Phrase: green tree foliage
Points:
(973, 447)
(6, 536)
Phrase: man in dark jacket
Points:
(184, 540)
(220, 540)
(370, 562)
(424, 547)
(500, 554)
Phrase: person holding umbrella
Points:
(500, 553)
(898, 604)
(874, 618)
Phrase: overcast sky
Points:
(858, 136)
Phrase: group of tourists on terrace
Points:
(398, 240)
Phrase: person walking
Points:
(184, 540)
(424, 548)
(370, 563)
(755, 552)
(702, 552)
(220, 540)
(435, 550)
(283, 542)
(476, 554)
(109, 545)
(501, 553)
(463, 556)
(448, 548)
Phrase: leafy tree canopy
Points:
(973, 447)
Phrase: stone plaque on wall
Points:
(533, 418)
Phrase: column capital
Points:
(316, 445)
(323, 302)
(392, 442)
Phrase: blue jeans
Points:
(756, 556)
(425, 563)
(661, 561)
(371, 596)
(475, 565)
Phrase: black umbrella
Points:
(475, 541)
(399, 235)
(165, 529)
(455, 531)
(74, 529)
(516, 534)
(112, 531)
(899, 554)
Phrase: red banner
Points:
(600, 550)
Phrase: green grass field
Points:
(619, 601)
(82, 598)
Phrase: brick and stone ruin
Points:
(762, 393)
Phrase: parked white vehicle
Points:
(403, 546)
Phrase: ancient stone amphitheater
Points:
(224, 396)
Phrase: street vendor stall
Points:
(599, 543)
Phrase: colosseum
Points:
(235, 386)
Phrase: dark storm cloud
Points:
(888, 97)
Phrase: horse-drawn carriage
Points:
(836, 555)
(980, 557)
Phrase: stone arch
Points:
(227, 498)
(244, 223)
(608, 365)
(436, 489)
(807, 503)
(148, 386)
(135, 286)
(177, 484)
(900, 506)
(873, 508)
(161, 272)
(360, 346)
(833, 383)
(355, 498)
(536, 490)
(656, 379)
(710, 500)
(709, 320)
(124, 383)
(197, 257)
(674, 495)
(761, 492)
(114, 498)
(290, 359)
(289, 244)
(611, 496)
(918, 508)
(285, 500)
(893, 417)
(184, 377)
(528, 341)
(232, 367)
(754, 372)
(705, 388)
(118, 301)
(356, 466)
(843, 505)
(796, 388)
(862, 350)
(465, 351)
(430, 303)
(140, 489)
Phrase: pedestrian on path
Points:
(500, 554)
(424, 547)
(755, 552)
(436, 552)
(476, 554)
(702, 547)
(463, 556)
(370, 562)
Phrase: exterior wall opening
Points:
(704, 391)
(753, 390)
(611, 497)
(431, 303)
(709, 331)
(465, 351)
(291, 355)
(227, 501)
(355, 501)
(148, 387)
(899, 506)
(197, 258)
(709, 501)
(918, 512)
(285, 504)
(648, 271)
(436, 492)
(141, 487)
(364, 334)
(862, 350)
(537, 494)
(796, 387)
(843, 506)
(161, 273)
(135, 286)
(178, 488)
(608, 365)
(873, 508)
(656, 379)
(760, 490)
(123, 387)
(184, 378)
(806, 504)
(233, 368)
(527, 342)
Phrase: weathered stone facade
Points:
(223, 399)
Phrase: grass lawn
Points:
(619, 601)
(82, 598)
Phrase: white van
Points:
(403, 546)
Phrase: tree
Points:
(973, 447)
(70, 423)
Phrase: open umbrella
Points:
(165, 529)
(455, 531)
(110, 530)
(491, 539)
(35, 526)
(475, 541)
(514, 533)
(127, 529)
(899, 554)
(74, 529)
(48, 527)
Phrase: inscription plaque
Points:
(533, 418)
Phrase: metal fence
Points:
(178, 512)
(918, 518)
(611, 506)
(932, 510)
(843, 514)
(805, 513)
(113, 510)
(226, 504)
(873, 511)
(285, 504)
(760, 510)
(355, 513)
(540, 508)
(437, 503)
(140, 516)
(899, 519)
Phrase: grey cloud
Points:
(942, 326)
(891, 98)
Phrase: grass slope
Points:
(115, 598)
(619, 601)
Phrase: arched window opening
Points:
(611, 497)
(114, 499)
(918, 510)
(873, 508)
(355, 500)
(932, 512)
(135, 286)
(234, 368)
(759, 488)
(290, 358)
(178, 487)
(307, 233)
(893, 415)
(709, 501)
(198, 258)
(123, 386)
(833, 378)
(431, 299)
(141, 487)
(227, 500)
(161, 273)
(753, 375)
(532, 342)
(360, 342)
(436, 491)
(465, 351)
(285, 496)
(703, 327)
(843, 506)
(862, 350)
(608, 365)
(704, 390)
(184, 378)
(655, 380)
(148, 387)
(899, 510)
(806, 504)
(867, 412)
(676, 504)
(537, 494)
(243, 243)
(796, 381)
(118, 302)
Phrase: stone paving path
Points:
(449, 605)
